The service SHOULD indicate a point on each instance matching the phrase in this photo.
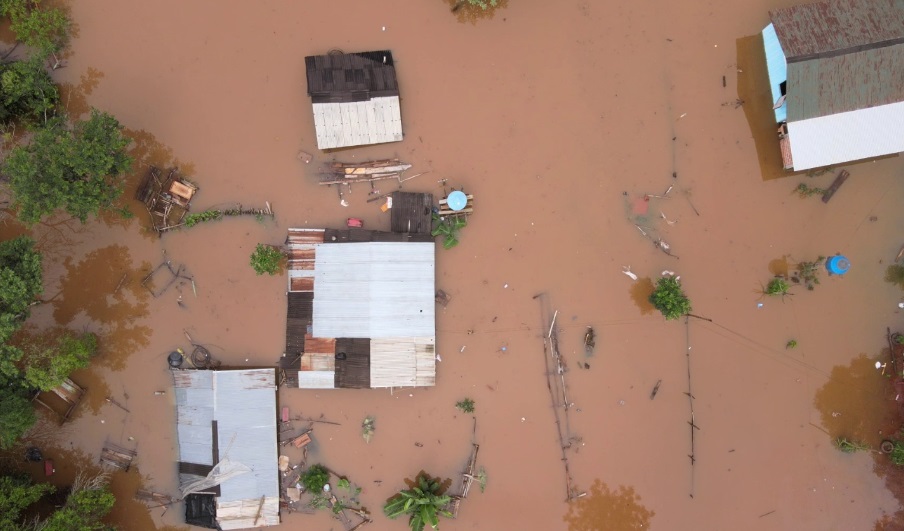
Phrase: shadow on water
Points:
(75, 95)
(754, 91)
(114, 298)
(611, 510)
(855, 402)
(640, 294)
(466, 12)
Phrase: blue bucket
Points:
(838, 265)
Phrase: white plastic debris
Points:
(627, 271)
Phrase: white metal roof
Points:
(374, 290)
(358, 123)
(243, 403)
(848, 136)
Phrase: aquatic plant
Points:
(897, 453)
(315, 478)
(208, 215)
(266, 259)
(895, 275)
(669, 298)
(777, 286)
(808, 272)
(849, 446)
(805, 191)
(368, 427)
(424, 504)
(466, 405)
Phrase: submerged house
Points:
(355, 98)
(361, 308)
(836, 71)
(228, 459)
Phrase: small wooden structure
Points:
(444, 209)
(117, 457)
(69, 392)
(167, 197)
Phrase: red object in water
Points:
(355, 222)
(285, 414)
(48, 467)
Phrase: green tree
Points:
(669, 298)
(26, 91)
(78, 168)
(423, 503)
(20, 283)
(50, 360)
(17, 416)
(17, 493)
(45, 30)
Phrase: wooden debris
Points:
(68, 391)
(836, 184)
(655, 389)
(356, 172)
(117, 457)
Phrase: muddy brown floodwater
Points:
(549, 113)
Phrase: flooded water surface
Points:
(564, 120)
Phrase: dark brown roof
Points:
(351, 76)
(834, 27)
(411, 213)
(352, 363)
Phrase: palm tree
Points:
(423, 504)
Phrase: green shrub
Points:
(669, 298)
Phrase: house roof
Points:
(374, 290)
(834, 27)
(342, 78)
(231, 414)
(355, 99)
(843, 83)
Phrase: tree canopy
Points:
(16, 494)
(49, 360)
(43, 29)
(77, 167)
(20, 282)
(26, 91)
(17, 415)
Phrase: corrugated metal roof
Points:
(374, 290)
(402, 362)
(844, 137)
(777, 69)
(838, 26)
(821, 87)
(359, 123)
(351, 77)
(243, 404)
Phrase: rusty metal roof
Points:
(834, 27)
(844, 83)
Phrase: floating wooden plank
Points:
(836, 184)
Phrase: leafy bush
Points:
(315, 478)
(669, 298)
(777, 286)
(266, 259)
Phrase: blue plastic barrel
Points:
(457, 200)
(838, 265)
